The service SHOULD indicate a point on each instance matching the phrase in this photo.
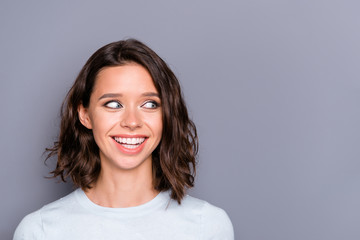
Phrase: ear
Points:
(84, 116)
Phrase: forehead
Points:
(130, 78)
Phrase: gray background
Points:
(273, 87)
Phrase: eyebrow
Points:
(110, 95)
(150, 94)
(114, 95)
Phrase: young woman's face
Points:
(125, 116)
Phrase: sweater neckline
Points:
(160, 201)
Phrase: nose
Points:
(131, 119)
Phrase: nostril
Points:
(131, 119)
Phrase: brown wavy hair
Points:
(174, 159)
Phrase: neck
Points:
(122, 188)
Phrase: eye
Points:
(113, 104)
(150, 105)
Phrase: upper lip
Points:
(130, 136)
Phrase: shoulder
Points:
(31, 226)
(214, 221)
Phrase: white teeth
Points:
(133, 142)
(129, 146)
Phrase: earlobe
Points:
(84, 116)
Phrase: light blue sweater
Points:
(75, 217)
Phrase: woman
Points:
(126, 141)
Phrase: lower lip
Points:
(130, 150)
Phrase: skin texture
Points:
(124, 103)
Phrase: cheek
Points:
(102, 124)
(155, 123)
(158, 126)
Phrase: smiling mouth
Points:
(130, 143)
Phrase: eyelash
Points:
(156, 104)
(112, 101)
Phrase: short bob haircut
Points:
(174, 159)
